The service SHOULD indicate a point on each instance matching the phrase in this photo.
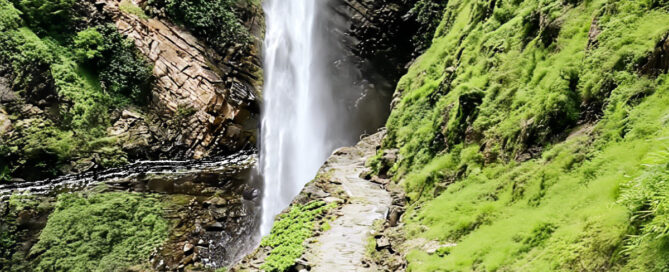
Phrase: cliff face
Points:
(205, 103)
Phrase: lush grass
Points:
(486, 112)
(289, 233)
(100, 232)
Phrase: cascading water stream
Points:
(294, 124)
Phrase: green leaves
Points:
(89, 45)
(10, 17)
(213, 21)
(122, 71)
(49, 15)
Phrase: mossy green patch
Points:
(289, 233)
(537, 117)
(100, 232)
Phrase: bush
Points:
(49, 15)
(89, 45)
(123, 71)
(647, 198)
(288, 234)
(28, 59)
(213, 21)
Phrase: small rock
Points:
(366, 174)
(215, 226)
(301, 265)
(215, 201)
(380, 181)
(187, 260)
(188, 248)
(202, 242)
(332, 199)
(161, 265)
(394, 216)
(251, 194)
(126, 114)
(382, 242)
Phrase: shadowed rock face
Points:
(203, 103)
(381, 34)
(369, 44)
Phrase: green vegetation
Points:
(10, 17)
(75, 79)
(428, 14)
(128, 6)
(100, 232)
(123, 72)
(550, 138)
(215, 22)
(47, 15)
(13, 229)
(289, 233)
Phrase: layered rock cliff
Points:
(205, 103)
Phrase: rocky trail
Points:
(343, 246)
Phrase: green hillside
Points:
(534, 136)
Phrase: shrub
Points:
(288, 234)
(89, 45)
(213, 21)
(123, 71)
(29, 59)
(49, 15)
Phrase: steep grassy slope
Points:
(534, 135)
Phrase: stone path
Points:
(343, 247)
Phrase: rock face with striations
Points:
(203, 104)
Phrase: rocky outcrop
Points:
(203, 104)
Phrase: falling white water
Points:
(296, 107)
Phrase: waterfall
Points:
(316, 98)
(294, 123)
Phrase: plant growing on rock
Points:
(289, 233)
(213, 21)
(122, 70)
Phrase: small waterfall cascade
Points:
(294, 140)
